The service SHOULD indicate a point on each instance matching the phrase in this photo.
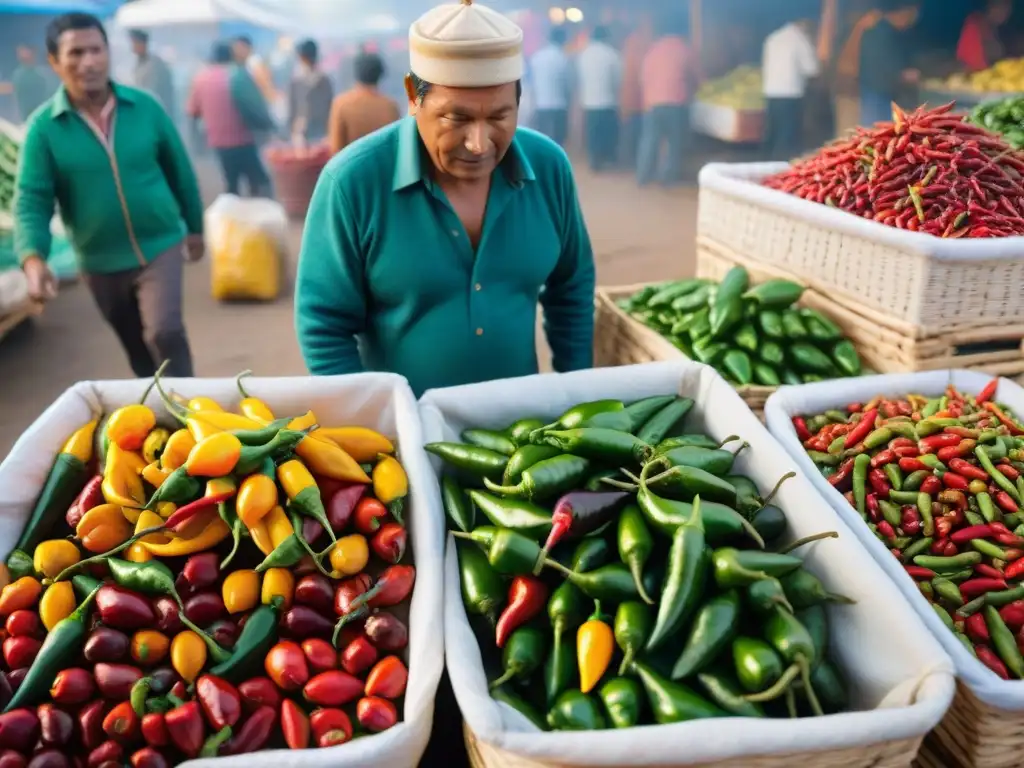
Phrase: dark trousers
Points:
(601, 127)
(668, 127)
(553, 123)
(244, 161)
(629, 144)
(784, 128)
(143, 306)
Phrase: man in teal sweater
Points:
(113, 161)
(428, 243)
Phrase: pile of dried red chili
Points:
(925, 171)
(941, 482)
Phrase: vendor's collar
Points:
(62, 104)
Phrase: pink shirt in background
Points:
(668, 73)
(211, 102)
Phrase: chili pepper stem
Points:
(159, 372)
(728, 440)
(739, 450)
(509, 674)
(618, 484)
(237, 539)
(217, 654)
(781, 686)
(629, 475)
(176, 409)
(791, 703)
(636, 569)
(67, 572)
(808, 540)
(238, 382)
(775, 490)
(812, 697)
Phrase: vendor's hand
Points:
(42, 285)
(195, 247)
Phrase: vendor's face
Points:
(82, 61)
(467, 130)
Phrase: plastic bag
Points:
(247, 240)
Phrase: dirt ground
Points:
(637, 235)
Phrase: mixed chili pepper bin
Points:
(896, 696)
(315, 678)
(985, 725)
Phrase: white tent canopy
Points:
(159, 13)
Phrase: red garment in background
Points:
(970, 51)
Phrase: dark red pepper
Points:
(583, 512)
(879, 483)
(920, 573)
(931, 485)
(183, 515)
(185, 727)
(253, 734)
(1005, 501)
(862, 429)
(800, 425)
(108, 751)
(91, 496)
(1013, 615)
(965, 535)
(200, 571)
(393, 586)
(911, 464)
(389, 542)
(888, 456)
(220, 700)
(973, 588)
(976, 628)
(527, 597)
(154, 730)
(123, 609)
(842, 475)
(954, 481)
(259, 692)
(90, 723)
(987, 657)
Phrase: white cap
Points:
(466, 45)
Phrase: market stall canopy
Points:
(338, 19)
(160, 13)
(100, 8)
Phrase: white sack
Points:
(742, 180)
(891, 661)
(380, 401)
(811, 399)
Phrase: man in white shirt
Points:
(599, 73)
(549, 91)
(789, 62)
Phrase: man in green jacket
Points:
(428, 243)
(113, 161)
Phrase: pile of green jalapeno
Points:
(751, 335)
(940, 481)
(618, 572)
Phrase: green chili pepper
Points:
(861, 464)
(878, 437)
(713, 629)
(632, 627)
(804, 589)
(559, 669)
(824, 459)
(684, 441)
(987, 508)
(523, 654)
(635, 545)
(482, 590)
(576, 711)
(660, 424)
(830, 688)
(623, 700)
(758, 666)
(67, 477)
(253, 456)
(456, 504)
(139, 693)
(739, 568)
(725, 691)
(771, 324)
(611, 583)
(84, 585)
(837, 445)
(770, 522)
(252, 645)
(913, 481)
(674, 702)
(61, 647)
(947, 590)
(748, 495)
(524, 458)
(515, 514)
(580, 414)
(924, 507)
(642, 411)
(997, 477)
(931, 408)
(179, 488)
(966, 643)
(892, 472)
(891, 512)
(511, 553)
(480, 462)
(545, 479)
(684, 582)
(814, 619)
(713, 460)
(20, 564)
(795, 645)
(988, 549)
(606, 445)
(943, 614)
(519, 432)
(1007, 596)
(685, 482)
(286, 554)
(947, 564)
(973, 518)
(493, 441)
(591, 553)
(765, 595)
(505, 695)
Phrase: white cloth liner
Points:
(882, 647)
(379, 401)
(811, 399)
(742, 180)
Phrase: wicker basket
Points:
(995, 349)
(889, 754)
(294, 183)
(621, 340)
(922, 285)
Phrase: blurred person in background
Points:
(668, 78)
(630, 97)
(231, 108)
(129, 204)
(363, 109)
(257, 68)
(309, 97)
(886, 52)
(550, 80)
(980, 44)
(428, 243)
(30, 82)
(151, 72)
(789, 62)
(599, 74)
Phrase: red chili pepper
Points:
(931, 485)
(527, 596)
(854, 408)
(841, 475)
(973, 588)
(942, 527)
(919, 573)
(874, 511)
(816, 444)
(902, 442)
(965, 535)
(990, 660)
(254, 734)
(121, 723)
(976, 629)
(1008, 540)
(863, 428)
(954, 481)
(1013, 615)
(1015, 570)
(802, 432)
(358, 656)
(886, 530)
(1011, 554)
(333, 688)
(330, 727)
(1005, 501)
(988, 571)
(1004, 419)
(185, 726)
(932, 443)
(1010, 471)
(91, 496)
(154, 730)
(910, 464)
(949, 549)
(968, 470)
(294, 725)
(910, 521)
(879, 483)
(182, 515)
(885, 457)
(220, 700)
(905, 451)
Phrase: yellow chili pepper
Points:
(129, 426)
(188, 655)
(134, 460)
(203, 424)
(149, 647)
(57, 603)
(595, 643)
(256, 497)
(261, 537)
(360, 443)
(390, 482)
(53, 556)
(80, 444)
(150, 519)
(121, 483)
(214, 456)
(153, 475)
(166, 508)
(102, 528)
(19, 595)
(303, 493)
(278, 582)
(219, 486)
(137, 553)
(252, 407)
(350, 554)
(213, 534)
(241, 591)
(178, 447)
(278, 525)
(155, 443)
(328, 460)
(203, 404)
(5, 576)
(305, 421)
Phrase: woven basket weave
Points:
(911, 289)
(996, 349)
(621, 340)
(887, 754)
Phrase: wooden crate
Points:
(885, 346)
(621, 340)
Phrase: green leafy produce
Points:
(1004, 116)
